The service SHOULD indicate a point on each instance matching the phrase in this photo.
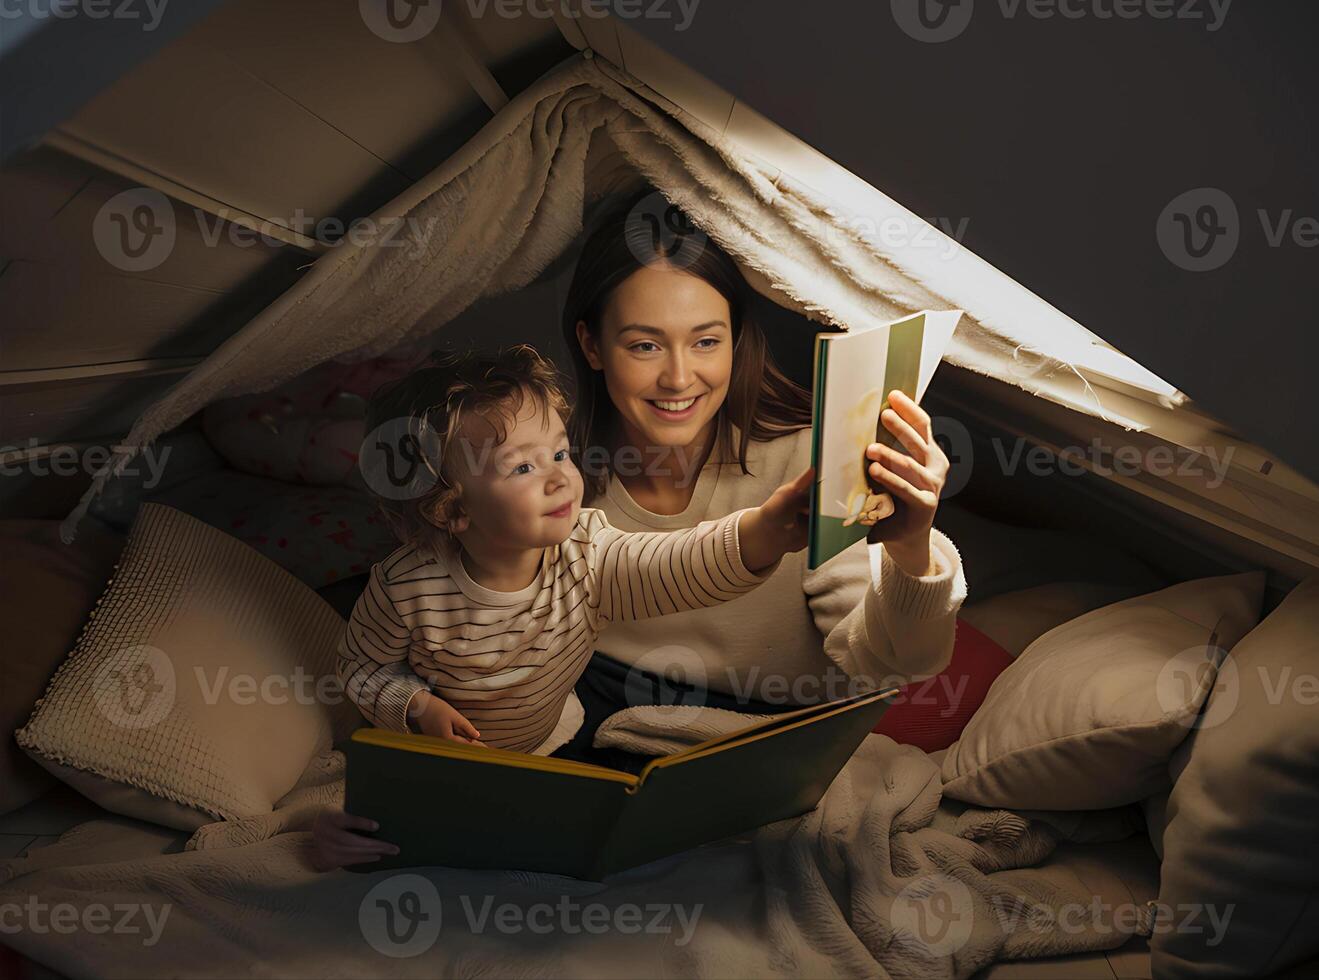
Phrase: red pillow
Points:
(931, 713)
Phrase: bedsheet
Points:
(878, 880)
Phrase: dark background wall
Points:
(1087, 153)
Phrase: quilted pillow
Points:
(201, 686)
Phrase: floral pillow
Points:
(306, 431)
(319, 534)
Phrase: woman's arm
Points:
(882, 623)
(902, 622)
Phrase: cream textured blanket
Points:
(878, 881)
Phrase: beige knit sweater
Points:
(804, 635)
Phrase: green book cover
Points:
(853, 374)
(466, 806)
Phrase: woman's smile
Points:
(675, 410)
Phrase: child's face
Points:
(521, 493)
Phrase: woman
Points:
(681, 416)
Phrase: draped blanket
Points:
(494, 215)
(879, 880)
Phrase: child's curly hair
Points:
(417, 417)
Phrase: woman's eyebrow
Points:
(656, 331)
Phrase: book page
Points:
(855, 372)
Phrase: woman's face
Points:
(666, 349)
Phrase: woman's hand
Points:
(335, 844)
(914, 481)
(779, 525)
(435, 716)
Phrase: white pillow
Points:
(1088, 715)
(202, 685)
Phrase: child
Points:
(478, 627)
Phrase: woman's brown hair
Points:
(762, 402)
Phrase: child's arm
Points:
(373, 662)
(778, 526)
(432, 715)
(655, 573)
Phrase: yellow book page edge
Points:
(432, 745)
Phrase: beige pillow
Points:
(1015, 620)
(1241, 833)
(1087, 717)
(200, 688)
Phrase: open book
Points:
(470, 806)
(854, 372)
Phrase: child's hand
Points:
(779, 525)
(435, 716)
(334, 843)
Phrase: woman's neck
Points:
(665, 480)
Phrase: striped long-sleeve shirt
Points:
(508, 660)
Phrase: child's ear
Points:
(446, 516)
(587, 343)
